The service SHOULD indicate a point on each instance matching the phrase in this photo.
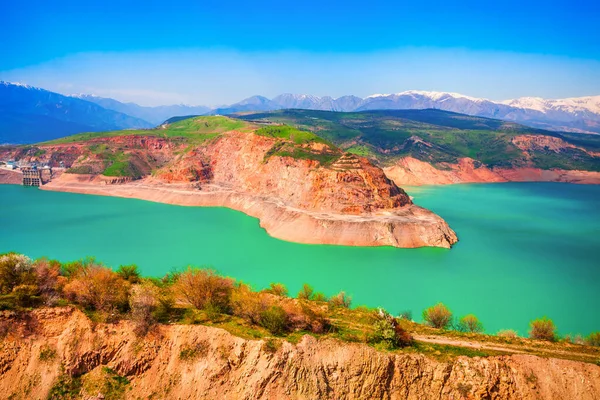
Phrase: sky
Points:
(219, 52)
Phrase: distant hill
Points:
(580, 114)
(441, 138)
(154, 115)
(29, 115)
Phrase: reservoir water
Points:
(526, 249)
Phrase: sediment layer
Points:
(230, 367)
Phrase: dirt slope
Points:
(228, 367)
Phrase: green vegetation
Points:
(201, 296)
(194, 130)
(438, 316)
(469, 323)
(543, 329)
(299, 144)
(435, 136)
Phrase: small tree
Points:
(542, 329)
(389, 331)
(306, 293)
(278, 289)
(99, 288)
(143, 302)
(470, 323)
(594, 339)
(203, 287)
(319, 296)
(340, 300)
(129, 273)
(438, 316)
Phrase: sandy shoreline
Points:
(410, 227)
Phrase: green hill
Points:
(438, 137)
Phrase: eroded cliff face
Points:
(410, 171)
(48, 345)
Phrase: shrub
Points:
(247, 304)
(271, 345)
(389, 331)
(406, 315)
(98, 288)
(15, 270)
(194, 351)
(143, 302)
(306, 293)
(319, 296)
(26, 296)
(438, 316)
(470, 323)
(508, 333)
(277, 289)
(50, 282)
(47, 354)
(542, 329)
(274, 319)
(594, 339)
(201, 287)
(340, 300)
(300, 316)
(129, 273)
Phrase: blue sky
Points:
(216, 52)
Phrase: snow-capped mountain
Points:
(575, 114)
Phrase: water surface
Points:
(526, 249)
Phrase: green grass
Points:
(195, 130)
(384, 135)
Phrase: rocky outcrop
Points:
(411, 171)
(228, 367)
(299, 199)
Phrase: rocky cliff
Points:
(61, 351)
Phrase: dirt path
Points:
(512, 349)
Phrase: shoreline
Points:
(409, 227)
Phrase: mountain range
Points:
(29, 114)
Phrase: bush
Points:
(438, 316)
(340, 300)
(542, 329)
(507, 333)
(406, 315)
(470, 323)
(129, 273)
(389, 331)
(143, 302)
(306, 293)
(319, 297)
(50, 282)
(201, 287)
(15, 270)
(247, 304)
(594, 339)
(274, 319)
(99, 288)
(278, 289)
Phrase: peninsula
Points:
(300, 186)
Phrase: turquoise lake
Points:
(526, 249)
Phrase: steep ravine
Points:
(50, 344)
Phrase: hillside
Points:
(302, 187)
(195, 334)
(445, 141)
(30, 115)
